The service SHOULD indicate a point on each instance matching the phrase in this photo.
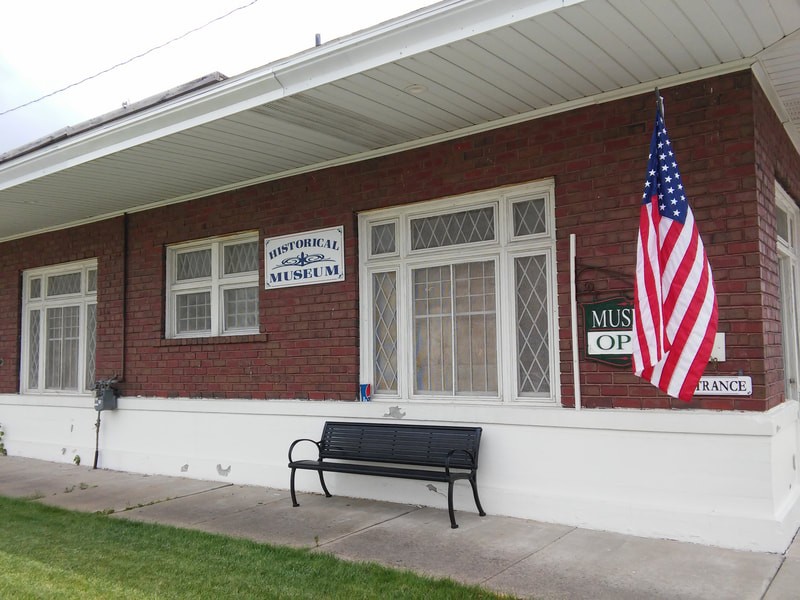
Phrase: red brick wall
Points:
(103, 241)
(308, 346)
(711, 128)
(776, 159)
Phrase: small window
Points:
(35, 288)
(465, 227)
(213, 287)
(784, 226)
(530, 217)
(383, 238)
(60, 285)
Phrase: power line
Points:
(133, 58)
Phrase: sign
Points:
(304, 258)
(609, 331)
(735, 385)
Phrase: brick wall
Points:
(776, 160)
(308, 345)
(103, 241)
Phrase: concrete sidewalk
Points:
(523, 558)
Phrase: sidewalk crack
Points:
(526, 557)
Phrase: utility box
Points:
(105, 395)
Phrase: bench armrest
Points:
(294, 443)
(450, 454)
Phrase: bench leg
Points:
(324, 487)
(474, 485)
(453, 524)
(291, 488)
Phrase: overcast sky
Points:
(46, 45)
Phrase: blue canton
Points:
(663, 178)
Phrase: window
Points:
(788, 259)
(58, 328)
(213, 287)
(457, 298)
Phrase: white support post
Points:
(574, 310)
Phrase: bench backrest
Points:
(426, 445)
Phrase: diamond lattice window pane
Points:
(529, 217)
(241, 308)
(533, 362)
(465, 227)
(33, 348)
(194, 265)
(240, 258)
(91, 280)
(69, 283)
(383, 238)
(193, 312)
(384, 296)
(783, 224)
(91, 331)
(35, 289)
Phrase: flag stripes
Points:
(675, 306)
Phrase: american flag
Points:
(675, 307)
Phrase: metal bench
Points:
(425, 452)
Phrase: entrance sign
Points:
(304, 258)
(735, 385)
(608, 326)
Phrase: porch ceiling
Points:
(446, 70)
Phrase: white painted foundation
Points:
(720, 478)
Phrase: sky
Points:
(46, 45)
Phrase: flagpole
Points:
(659, 102)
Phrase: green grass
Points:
(50, 553)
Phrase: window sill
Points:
(218, 339)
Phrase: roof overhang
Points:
(447, 70)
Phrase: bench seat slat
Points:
(361, 469)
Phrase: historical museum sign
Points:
(304, 258)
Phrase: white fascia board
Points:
(417, 32)
(228, 97)
(425, 30)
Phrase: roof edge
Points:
(381, 44)
(672, 81)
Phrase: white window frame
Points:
(503, 250)
(789, 277)
(83, 299)
(216, 284)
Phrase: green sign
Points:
(609, 331)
